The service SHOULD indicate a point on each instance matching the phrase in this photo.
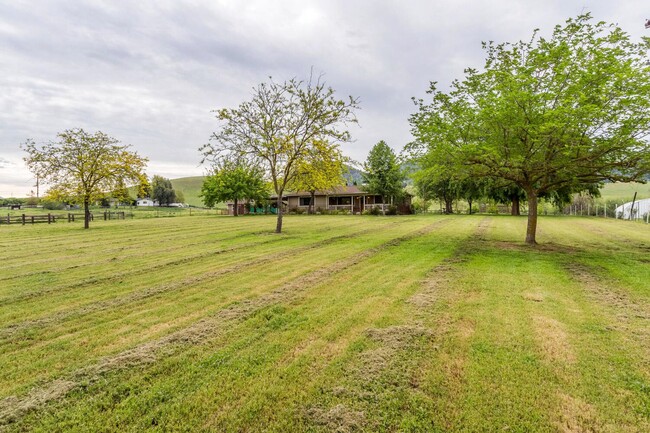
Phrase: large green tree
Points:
(382, 173)
(280, 127)
(162, 190)
(82, 167)
(234, 181)
(549, 114)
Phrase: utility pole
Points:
(632, 207)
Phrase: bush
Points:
(32, 201)
(392, 210)
(52, 205)
(375, 210)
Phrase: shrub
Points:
(392, 210)
(53, 205)
(375, 210)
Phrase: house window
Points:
(340, 201)
(305, 201)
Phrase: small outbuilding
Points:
(146, 202)
(639, 211)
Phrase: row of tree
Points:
(324, 169)
(545, 118)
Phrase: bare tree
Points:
(279, 127)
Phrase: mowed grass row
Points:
(155, 260)
(58, 333)
(394, 324)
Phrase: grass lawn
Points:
(342, 323)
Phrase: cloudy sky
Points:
(149, 72)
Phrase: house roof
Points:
(339, 190)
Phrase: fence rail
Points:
(69, 217)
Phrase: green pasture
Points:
(624, 192)
(342, 323)
(191, 188)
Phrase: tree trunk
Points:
(383, 205)
(86, 214)
(449, 206)
(235, 210)
(531, 229)
(470, 206)
(515, 210)
(311, 203)
(278, 226)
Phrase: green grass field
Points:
(342, 323)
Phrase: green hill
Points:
(624, 192)
(191, 188)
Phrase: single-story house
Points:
(347, 198)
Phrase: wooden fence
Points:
(70, 217)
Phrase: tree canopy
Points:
(82, 167)
(321, 169)
(383, 175)
(280, 127)
(162, 191)
(234, 181)
(549, 114)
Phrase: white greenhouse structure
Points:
(640, 211)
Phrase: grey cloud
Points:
(149, 73)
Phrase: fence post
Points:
(23, 219)
(49, 219)
(8, 219)
(32, 219)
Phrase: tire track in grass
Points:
(389, 364)
(624, 318)
(200, 234)
(15, 330)
(13, 408)
(86, 242)
(606, 292)
(119, 276)
(632, 316)
(125, 257)
(123, 251)
(441, 274)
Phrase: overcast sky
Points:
(149, 73)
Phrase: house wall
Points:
(320, 201)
